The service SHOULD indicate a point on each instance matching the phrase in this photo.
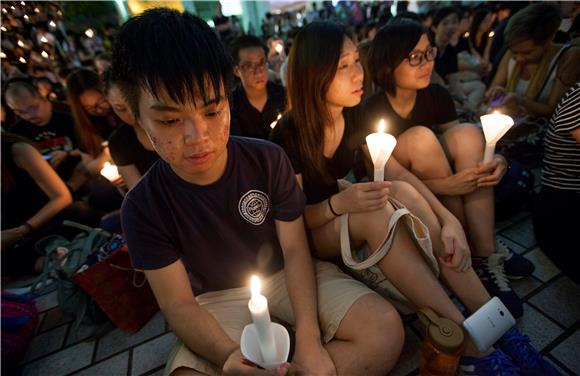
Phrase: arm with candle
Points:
(310, 355)
(359, 197)
(94, 164)
(194, 325)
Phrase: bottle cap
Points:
(443, 333)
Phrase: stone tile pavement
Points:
(551, 319)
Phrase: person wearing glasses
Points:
(51, 131)
(94, 123)
(256, 102)
(454, 65)
(443, 153)
(402, 237)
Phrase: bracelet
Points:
(331, 209)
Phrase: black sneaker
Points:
(516, 266)
(491, 273)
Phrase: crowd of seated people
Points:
(316, 81)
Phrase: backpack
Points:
(19, 320)
(63, 258)
(514, 192)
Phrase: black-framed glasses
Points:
(416, 58)
(249, 67)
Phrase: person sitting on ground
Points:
(51, 131)
(94, 123)
(418, 114)
(196, 251)
(462, 77)
(129, 145)
(411, 245)
(35, 201)
(535, 72)
(559, 197)
(256, 102)
(531, 78)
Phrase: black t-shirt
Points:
(342, 162)
(446, 62)
(247, 121)
(433, 107)
(126, 149)
(222, 232)
(21, 196)
(57, 135)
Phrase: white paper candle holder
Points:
(495, 126)
(251, 348)
(381, 146)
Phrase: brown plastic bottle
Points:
(442, 347)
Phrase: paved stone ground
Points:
(551, 319)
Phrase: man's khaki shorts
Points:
(337, 292)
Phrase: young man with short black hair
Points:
(256, 102)
(216, 209)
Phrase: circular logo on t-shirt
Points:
(254, 206)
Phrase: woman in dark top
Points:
(94, 120)
(321, 134)
(94, 123)
(129, 146)
(32, 195)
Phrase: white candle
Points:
(273, 124)
(258, 306)
(381, 146)
(110, 172)
(494, 127)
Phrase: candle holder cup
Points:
(251, 349)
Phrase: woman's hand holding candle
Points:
(381, 146)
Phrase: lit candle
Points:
(279, 48)
(22, 60)
(273, 124)
(20, 43)
(381, 145)
(258, 306)
(89, 33)
(494, 127)
(44, 54)
(110, 172)
(52, 24)
(43, 39)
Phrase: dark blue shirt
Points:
(222, 232)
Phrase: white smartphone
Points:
(486, 325)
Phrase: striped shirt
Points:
(561, 167)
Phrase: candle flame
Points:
(491, 34)
(255, 285)
(44, 54)
(22, 60)
(382, 126)
(52, 24)
(43, 39)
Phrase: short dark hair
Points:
(392, 44)
(163, 49)
(245, 41)
(443, 12)
(538, 22)
(18, 85)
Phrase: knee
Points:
(404, 192)
(385, 338)
(469, 138)
(419, 136)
